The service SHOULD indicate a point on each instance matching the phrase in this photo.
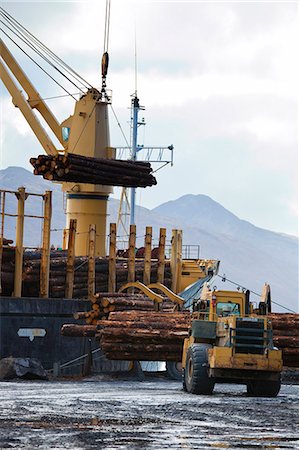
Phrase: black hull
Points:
(30, 327)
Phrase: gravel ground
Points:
(153, 414)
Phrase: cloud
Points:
(218, 79)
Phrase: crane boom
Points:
(8, 70)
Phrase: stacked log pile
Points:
(82, 169)
(144, 336)
(7, 270)
(138, 335)
(286, 337)
(105, 303)
(157, 336)
(58, 260)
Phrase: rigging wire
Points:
(53, 97)
(21, 29)
(9, 37)
(224, 278)
(30, 45)
(118, 123)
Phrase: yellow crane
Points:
(85, 132)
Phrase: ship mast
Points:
(135, 124)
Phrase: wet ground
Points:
(153, 414)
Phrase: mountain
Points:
(250, 256)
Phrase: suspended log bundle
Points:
(83, 169)
(58, 261)
(286, 337)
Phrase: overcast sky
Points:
(219, 81)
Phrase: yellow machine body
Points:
(227, 343)
(193, 270)
(226, 358)
(223, 356)
(87, 133)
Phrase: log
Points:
(122, 308)
(285, 324)
(285, 332)
(101, 324)
(141, 348)
(151, 316)
(78, 330)
(291, 351)
(286, 341)
(142, 336)
(130, 302)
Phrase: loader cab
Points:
(229, 308)
(221, 304)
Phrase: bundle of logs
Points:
(58, 261)
(286, 337)
(158, 336)
(138, 335)
(83, 169)
(105, 303)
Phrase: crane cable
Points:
(38, 52)
(107, 26)
(38, 65)
(105, 57)
(21, 29)
(119, 125)
(34, 43)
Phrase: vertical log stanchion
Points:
(45, 256)
(64, 239)
(147, 256)
(112, 259)
(161, 256)
(21, 196)
(176, 259)
(91, 261)
(70, 259)
(131, 258)
(2, 202)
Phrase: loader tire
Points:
(196, 377)
(174, 370)
(263, 388)
(183, 380)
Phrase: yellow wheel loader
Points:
(227, 343)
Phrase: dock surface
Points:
(153, 414)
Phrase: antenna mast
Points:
(149, 154)
(136, 108)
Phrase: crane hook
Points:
(105, 64)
